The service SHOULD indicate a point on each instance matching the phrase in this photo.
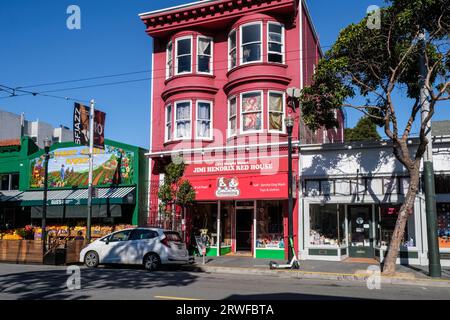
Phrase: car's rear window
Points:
(173, 236)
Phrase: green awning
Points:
(118, 195)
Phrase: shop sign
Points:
(228, 187)
(269, 166)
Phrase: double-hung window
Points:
(251, 111)
(232, 62)
(204, 55)
(184, 55)
(183, 120)
(275, 42)
(169, 66)
(251, 47)
(276, 111)
(168, 135)
(232, 116)
(204, 120)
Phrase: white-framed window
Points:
(169, 57)
(232, 50)
(251, 112)
(183, 51)
(183, 120)
(275, 42)
(277, 109)
(205, 55)
(251, 45)
(168, 135)
(204, 120)
(232, 116)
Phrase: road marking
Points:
(175, 298)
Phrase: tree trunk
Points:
(406, 209)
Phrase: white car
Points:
(150, 247)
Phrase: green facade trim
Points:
(270, 254)
(323, 252)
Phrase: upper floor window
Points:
(276, 111)
(204, 116)
(232, 62)
(168, 135)
(9, 181)
(169, 67)
(251, 111)
(184, 55)
(275, 42)
(251, 43)
(204, 55)
(232, 116)
(183, 119)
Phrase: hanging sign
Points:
(81, 126)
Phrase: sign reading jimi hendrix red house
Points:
(250, 179)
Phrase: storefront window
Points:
(269, 220)
(443, 216)
(204, 120)
(386, 220)
(232, 116)
(251, 111)
(204, 55)
(442, 183)
(232, 50)
(183, 119)
(276, 111)
(184, 57)
(251, 43)
(327, 225)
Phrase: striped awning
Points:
(117, 195)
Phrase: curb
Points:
(294, 274)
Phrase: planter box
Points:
(73, 251)
(21, 251)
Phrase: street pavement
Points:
(126, 283)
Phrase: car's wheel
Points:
(152, 262)
(91, 259)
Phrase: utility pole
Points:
(91, 168)
(434, 261)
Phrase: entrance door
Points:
(244, 221)
(360, 232)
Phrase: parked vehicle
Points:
(150, 247)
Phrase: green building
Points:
(119, 176)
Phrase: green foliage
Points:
(365, 129)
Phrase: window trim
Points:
(176, 55)
(283, 131)
(283, 42)
(175, 137)
(241, 51)
(211, 126)
(169, 54)
(211, 62)
(235, 49)
(166, 139)
(229, 135)
(241, 115)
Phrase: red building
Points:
(221, 70)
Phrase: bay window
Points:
(169, 66)
(232, 116)
(232, 62)
(276, 111)
(204, 119)
(168, 135)
(251, 111)
(204, 55)
(183, 120)
(275, 42)
(184, 55)
(251, 43)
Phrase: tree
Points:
(365, 129)
(377, 63)
(175, 191)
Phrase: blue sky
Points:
(36, 47)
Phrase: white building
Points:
(350, 196)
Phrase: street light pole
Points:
(289, 121)
(47, 144)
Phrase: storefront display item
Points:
(316, 238)
(272, 241)
(444, 224)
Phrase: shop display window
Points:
(442, 182)
(269, 219)
(386, 220)
(327, 225)
(443, 217)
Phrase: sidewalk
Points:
(325, 270)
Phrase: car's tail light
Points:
(165, 242)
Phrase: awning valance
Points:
(116, 195)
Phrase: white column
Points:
(254, 228)
(218, 229)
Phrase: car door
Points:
(115, 248)
(141, 242)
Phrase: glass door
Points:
(244, 224)
(360, 232)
